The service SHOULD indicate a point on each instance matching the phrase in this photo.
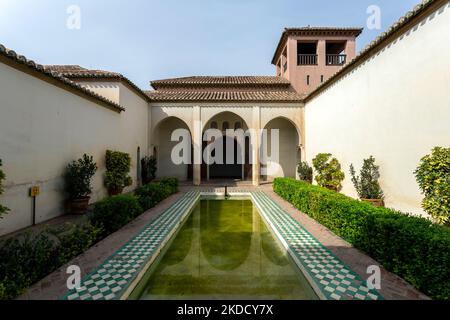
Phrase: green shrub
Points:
(329, 173)
(305, 172)
(433, 176)
(78, 177)
(153, 193)
(366, 184)
(149, 165)
(113, 213)
(413, 248)
(172, 183)
(118, 166)
(26, 259)
(3, 209)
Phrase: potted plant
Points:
(117, 169)
(305, 172)
(148, 165)
(329, 173)
(366, 184)
(78, 183)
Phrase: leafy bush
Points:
(414, 248)
(27, 259)
(366, 184)
(118, 166)
(113, 213)
(153, 193)
(2, 177)
(78, 177)
(305, 172)
(433, 176)
(148, 165)
(329, 173)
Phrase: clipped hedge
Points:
(27, 258)
(414, 248)
(113, 213)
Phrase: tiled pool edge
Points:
(117, 276)
(328, 284)
(180, 210)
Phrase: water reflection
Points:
(224, 251)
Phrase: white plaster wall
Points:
(396, 107)
(43, 128)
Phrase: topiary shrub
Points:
(413, 248)
(433, 176)
(3, 209)
(113, 213)
(366, 184)
(305, 172)
(329, 173)
(172, 183)
(149, 166)
(118, 166)
(78, 177)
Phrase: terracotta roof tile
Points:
(228, 96)
(19, 59)
(221, 81)
(77, 72)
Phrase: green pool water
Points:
(224, 251)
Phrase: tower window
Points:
(321, 78)
(307, 80)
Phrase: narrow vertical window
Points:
(307, 80)
(321, 79)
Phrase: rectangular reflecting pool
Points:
(224, 250)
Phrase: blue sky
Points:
(147, 40)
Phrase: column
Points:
(197, 142)
(256, 142)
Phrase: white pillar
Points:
(197, 142)
(256, 141)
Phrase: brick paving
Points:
(53, 287)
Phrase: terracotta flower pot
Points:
(115, 191)
(375, 202)
(79, 206)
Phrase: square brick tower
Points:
(308, 56)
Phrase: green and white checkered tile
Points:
(113, 277)
(331, 276)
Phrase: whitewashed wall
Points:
(396, 107)
(43, 127)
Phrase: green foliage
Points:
(149, 166)
(433, 176)
(78, 177)
(305, 172)
(27, 259)
(113, 213)
(118, 166)
(366, 184)
(153, 193)
(413, 248)
(3, 209)
(329, 173)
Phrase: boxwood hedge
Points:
(414, 248)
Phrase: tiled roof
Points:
(228, 96)
(221, 81)
(78, 72)
(379, 43)
(313, 31)
(33, 66)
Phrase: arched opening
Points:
(284, 162)
(237, 170)
(163, 147)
